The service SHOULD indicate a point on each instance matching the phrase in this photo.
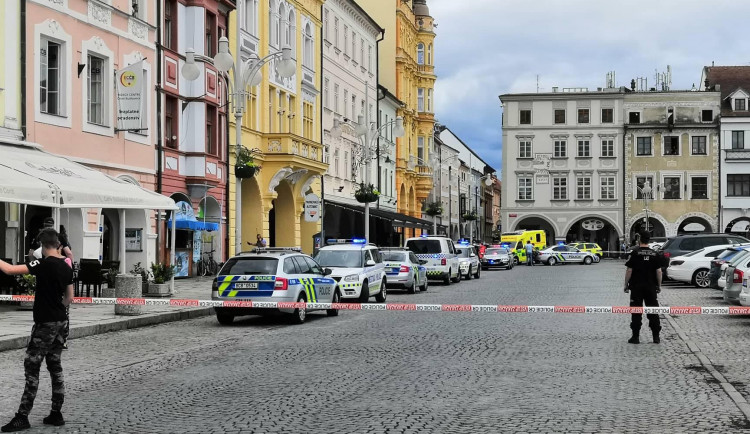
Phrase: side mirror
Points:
(327, 271)
(370, 263)
(422, 261)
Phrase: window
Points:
(309, 49)
(634, 117)
(561, 149)
(326, 94)
(336, 98)
(420, 150)
(584, 148)
(346, 164)
(641, 182)
(608, 148)
(608, 115)
(559, 188)
(672, 187)
(170, 122)
(354, 45)
(289, 266)
(739, 104)
(607, 187)
(49, 84)
(559, 116)
(525, 117)
(346, 39)
(138, 9)
(369, 57)
(346, 102)
(326, 22)
(336, 32)
(699, 145)
(308, 127)
(738, 140)
(671, 145)
(354, 106)
(302, 266)
(420, 53)
(289, 38)
(210, 49)
(95, 112)
(429, 100)
(738, 185)
(170, 24)
(699, 187)
(643, 146)
(420, 99)
(211, 147)
(707, 115)
(583, 188)
(362, 52)
(524, 149)
(251, 20)
(525, 190)
(336, 162)
(583, 116)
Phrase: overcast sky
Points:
(485, 48)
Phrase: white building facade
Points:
(563, 165)
(388, 105)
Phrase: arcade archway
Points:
(538, 223)
(594, 230)
(654, 227)
(252, 212)
(693, 225)
(739, 226)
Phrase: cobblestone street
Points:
(407, 372)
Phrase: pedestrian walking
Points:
(54, 291)
(643, 281)
(529, 253)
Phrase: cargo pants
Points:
(46, 344)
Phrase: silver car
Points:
(565, 255)
(498, 257)
(468, 261)
(404, 270)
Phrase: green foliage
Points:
(26, 283)
(163, 273)
(470, 216)
(433, 209)
(366, 193)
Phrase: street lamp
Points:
(244, 74)
(367, 133)
(646, 192)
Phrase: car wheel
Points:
(300, 314)
(424, 285)
(364, 294)
(224, 319)
(413, 288)
(479, 270)
(448, 279)
(700, 278)
(336, 299)
(468, 274)
(587, 260)
(551, 261)
(458, 277)
(383, 294)
(515, 260)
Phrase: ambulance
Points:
(516, 242)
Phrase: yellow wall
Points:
(384, 13)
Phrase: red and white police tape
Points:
(674, 310)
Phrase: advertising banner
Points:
(129, 83)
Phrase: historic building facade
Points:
(562, 165)
(672, 143)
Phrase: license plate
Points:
(246, 285)
(395, 270)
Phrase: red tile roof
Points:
(730, 78)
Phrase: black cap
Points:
(49, 222)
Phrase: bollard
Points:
(128, 286)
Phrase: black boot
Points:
(55, 418)
(635, 339)
(18, 423)
(655, 334)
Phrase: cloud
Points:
(485, 48)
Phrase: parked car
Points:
(736, 271)
(497, 256)
(565, 254)
(404, 270)
(468, 262)
(722, 283)
(588, 247)
(440, 254)
(683, 244)
(714, 272)
(694, 267)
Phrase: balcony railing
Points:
(291, 144)
(737, 154)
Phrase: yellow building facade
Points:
(406, 61)
(281, 124)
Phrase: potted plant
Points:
(111, 277)
(470, 216)
(163, 273)
(245, 166)
(366, 193)
(145, 275)
(27, 286)
(434, 209)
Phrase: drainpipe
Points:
(226, 254)
(159, 144)
(320, 122)
(377, 104)
(625, 229)
(23, 68)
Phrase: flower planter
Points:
(158, 290)
(245, 171)
(366, 197)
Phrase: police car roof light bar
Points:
(346, 241)
(275, 249)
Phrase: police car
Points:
(565, 254)
(275, 275)
(440, 254)
(468, 261)
(356, 266)
(404, 270)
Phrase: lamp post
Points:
(368, 133)
(646, 192)
(244, 74)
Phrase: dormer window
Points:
(740, 104)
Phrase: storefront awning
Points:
(194, 225)
(18, 187)
(78, 186)
(399, 220)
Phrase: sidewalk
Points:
(88, 319)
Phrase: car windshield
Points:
(694, 253)
(393, 256)
(422, 247)
(249, 266)
(339, 258)
(728, 254)
(500, 251)
(463, 252)
(737, 258)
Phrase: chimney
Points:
(554, 89)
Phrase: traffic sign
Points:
(312, 208)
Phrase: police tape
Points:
(672, 310)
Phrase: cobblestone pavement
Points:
(407, 372)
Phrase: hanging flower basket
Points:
(245, 171)
(245, 166)
(366, 193)
(434, 209)
(471, 216)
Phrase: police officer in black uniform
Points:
(643, 281)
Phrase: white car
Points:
(565, 254)
(725, 267)
(737, 269)
(468, 261)
(356, 266)
(440, 254)
(404, 270)
(693, 267)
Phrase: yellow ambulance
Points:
(516, 241)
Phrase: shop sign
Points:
(592, 224)
(129, 87)
(312, 208)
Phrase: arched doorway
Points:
(283, 219)
(692, 225)
(252, 212)
(655, 228)
(535, 224)
(110, 239)
(739, 226)
(209, 210)
(594, 230)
